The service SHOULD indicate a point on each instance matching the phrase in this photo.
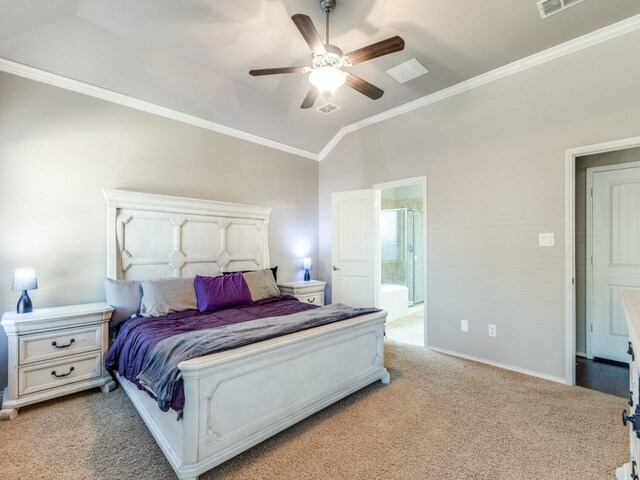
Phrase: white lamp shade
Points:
(327, 79)
(306, 263)
(24, 279)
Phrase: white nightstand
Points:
(308, 292)
(54, 352)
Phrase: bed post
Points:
(112, 242)
(191, 412)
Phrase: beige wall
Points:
(582, 163)
(494, 161)
(58, 149)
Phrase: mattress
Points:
(138, 336)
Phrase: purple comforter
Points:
(140, 335)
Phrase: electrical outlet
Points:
(464, 325)
(546, 239)
(492, 330)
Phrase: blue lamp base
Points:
(307, 277)
(24, 304)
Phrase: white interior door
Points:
(615, 263)
(354, 273)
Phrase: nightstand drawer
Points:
(48, 346)
(311, 291)
(316, 299)
(35, 378)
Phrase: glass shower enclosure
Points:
(402, 250)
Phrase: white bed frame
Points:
(238, 398)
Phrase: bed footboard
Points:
(236, 399)
(239, 398)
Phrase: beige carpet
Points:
(409, 329)
(440, 418)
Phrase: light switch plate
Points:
(546, 239)
(464, 325)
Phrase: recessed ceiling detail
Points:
(407, 71)
(189, 59)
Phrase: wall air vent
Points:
(549, 7)
(328, 108)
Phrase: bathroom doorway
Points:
(402, 256)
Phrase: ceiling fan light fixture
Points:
(327, 79)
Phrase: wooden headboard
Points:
(155, 236)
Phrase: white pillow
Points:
(167, 295)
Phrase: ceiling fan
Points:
(326, 72)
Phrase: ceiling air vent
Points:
(549, 7)
(328, 108)
(407, 71)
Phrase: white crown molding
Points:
(60, 81)
(594, 38)
(623, 27)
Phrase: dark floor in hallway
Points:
(604, 377)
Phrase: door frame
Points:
(570, 241)
(377, 189)
(589, 242)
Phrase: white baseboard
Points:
(505, 366)
(581, 354)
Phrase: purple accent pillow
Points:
(223, 291)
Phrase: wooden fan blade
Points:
(385, 47)
(311, 98)
(275, 71)
(364, 87)
(309, 32)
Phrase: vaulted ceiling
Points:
(193, 56)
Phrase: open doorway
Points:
(402, 258)
(607, 259)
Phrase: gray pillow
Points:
(124, 296)
(261, 284)
(167, 295)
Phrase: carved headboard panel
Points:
(154, 236)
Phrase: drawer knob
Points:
(63, 346)
(635, 419)
(311, 300)
(626, 418)
(69, 373)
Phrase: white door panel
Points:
(615, 235)
(353, 249)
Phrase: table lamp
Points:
(306, 266)
(24, 279)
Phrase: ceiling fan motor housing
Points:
(327, 5)
(332, 58)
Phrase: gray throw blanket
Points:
(160, 372)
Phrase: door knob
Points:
(335, 269)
